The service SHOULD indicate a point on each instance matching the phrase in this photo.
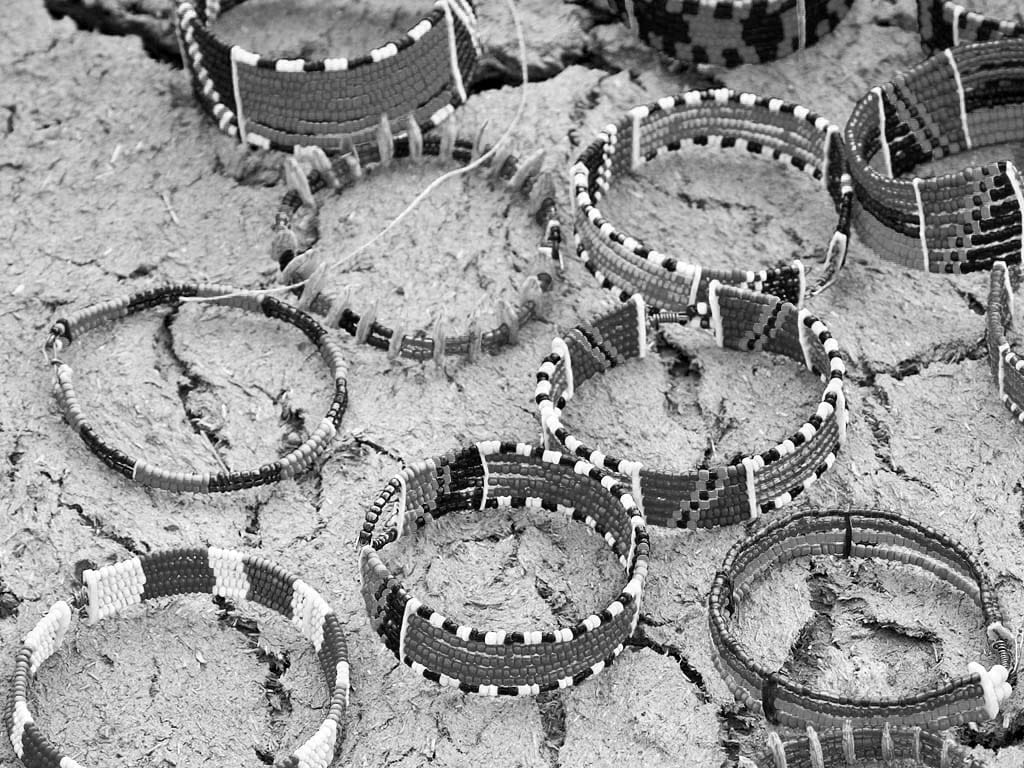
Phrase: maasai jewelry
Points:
(1007, 366)
(296, 230)
(745, 486)
(944, 24)
(493, 475)
(234, 575)
(972, 697)
(730, 33)
(786, 132)
(65, 330)
(279, 103)
(963, 98)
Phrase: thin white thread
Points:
(921, 230)
(881, 130)
(239, 114)
(487, 476)
(1014, 176)
(453, 56)
(960, 93)
(958, 11)
(641, 323)
(801, 22)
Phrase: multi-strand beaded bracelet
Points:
(1006, 365)
(946, 23)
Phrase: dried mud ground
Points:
(112, 180)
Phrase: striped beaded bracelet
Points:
(492, 475)
(945, 24)
(280, 103)
(974, 696)
(1007, 366)
(234, 575)
(296, 230)
(786, 132)
(746, 486)
(961, 99)
(297, 461)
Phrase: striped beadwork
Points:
(297, 461)
(511, 661)
(786, 132)
(975, 696)
(112, 588)
(945, 23)
(960, 99)
(281, 103)
(1007, 366)
(748, 485)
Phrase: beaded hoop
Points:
(974, 696)
(299, 211)
(294, 463)
(746, 486)
(786, 132)
(1007, 366)
(279, 103)
(493, 475)
(945, 24)
(234, 575)
(963, 98)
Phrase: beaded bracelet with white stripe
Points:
(963, 98)
(975, 696)
(280, 103)
(946, 23)
(729, 492)
(513, 661)
(297, 461)
(234, 575)
(1007, 366)
(774, 128)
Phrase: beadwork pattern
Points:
(972, 697)
(279, 103)
(785, 132)
(1006, 365)
(945, 23)
(729, 492)
(492, 475)
(963, 98)
(297, 461)
(233, 575)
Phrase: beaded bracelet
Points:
(492, 475)
(1007, 366)
(746, 486)
(786, 132)
(945, 24)
(65, 330)
(222, 572)
(961, 99)
(280, 103)
(296, 229)
(974, 696)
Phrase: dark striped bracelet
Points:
(297, 461)
(493, 475)
(280, 103)
(745, 486)
(785, 132)
(233, 575)
(963, 98)
(1007, 366)
(945, 24)
(296, 230)
(972, 697)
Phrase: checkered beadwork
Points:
(1007, 366)
(945, 24)
(112, 588)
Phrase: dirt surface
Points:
(115, 181)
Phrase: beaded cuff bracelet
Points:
(65, 330)
(229, 574)
(945, 24)
(786, 132)
(729, 492)
(963, 98)
(280, 103)
(1007, 366)
(730, 33)
(974, 696)
(296, 230)
(493, 475)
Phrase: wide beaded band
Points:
(296, 230)
(510, 662)
(960, 99)
(764, 126)
(945, 24)
(233, 575)
(972, 697)
(748, 485)
(1007, 366)
(281, 103)
(297, 461)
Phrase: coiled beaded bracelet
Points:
(972, 697)
(786, 132)
(725, 493)
(493, 475)
(960, 99)
(945, 24)
(297, 461)
(1007, 366)
(234, 575)
(280, 103)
